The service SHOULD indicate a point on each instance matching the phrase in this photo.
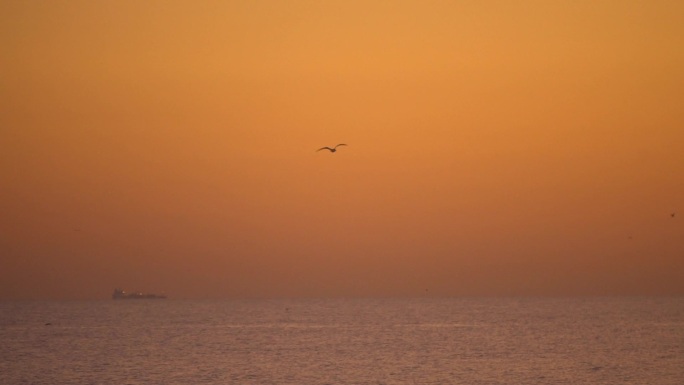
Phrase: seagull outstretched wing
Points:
(333, 149)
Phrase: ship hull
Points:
(120, 294)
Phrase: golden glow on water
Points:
(422, 341)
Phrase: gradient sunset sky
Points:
(495, 148)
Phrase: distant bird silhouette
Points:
(331, 149)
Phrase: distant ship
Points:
(120, 294)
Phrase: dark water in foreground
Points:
(384, 341)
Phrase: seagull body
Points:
(333, 149)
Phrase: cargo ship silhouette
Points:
(120, 294)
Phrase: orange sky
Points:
(495, 148)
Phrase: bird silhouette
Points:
(331, 149)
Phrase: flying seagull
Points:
(331, 149)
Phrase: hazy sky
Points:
(495, 148)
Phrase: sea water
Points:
(344, 341)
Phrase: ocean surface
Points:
(344, 341)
